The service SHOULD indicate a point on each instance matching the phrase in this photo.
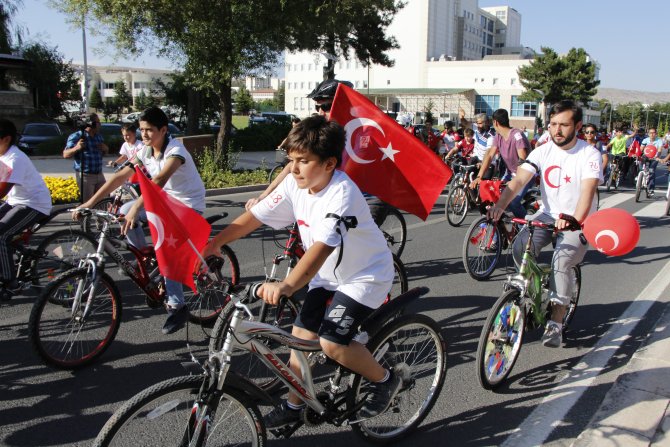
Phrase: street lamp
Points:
(609, 122)
(646, 119)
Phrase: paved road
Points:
(41, 406)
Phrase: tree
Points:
(49, 75)
(141, 101)
(552, 78)
(95, 100)
(222, 40)
(7, 9)
(122, 97)
(428, 112)
(244, 101)
(109, 108)
(279, 98)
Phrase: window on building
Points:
(295, 103)
(486, 104)
(521, 108)
(357, 84)
(302, 85)
(302, 103)
(309, 67)
(365, 84)
(348, 65)
(108, 85)
(388, 82)
(482, 21)
(302, 67)
(495, 81)
(512, 81)
(489, 51)
(490, 25)
(489, 40)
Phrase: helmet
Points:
(327, 88)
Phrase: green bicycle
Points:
(523, 305)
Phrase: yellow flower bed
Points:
(63, 190)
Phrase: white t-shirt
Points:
(562, 173)
(544, 138)
(366, 270)
(185, 183)
(29, 188)
(483, 142)
(129, 150)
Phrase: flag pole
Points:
(202, 260)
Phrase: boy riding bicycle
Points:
(570, 171)
(347, 262)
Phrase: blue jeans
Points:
(515, 206)
(173, 289)
(652, 174)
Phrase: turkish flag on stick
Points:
(176, 246)
(385, 160)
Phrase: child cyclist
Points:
(346, 259)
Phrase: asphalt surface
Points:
(40, 406)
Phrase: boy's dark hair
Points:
(468, 132)
(502, 117)
(429, 121)
(319, 136)
(565, 105)
(129, 127)
(7, 128)
(154, 116)
(590, 125)
(652, 127)
(295, 120)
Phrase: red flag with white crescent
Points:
(385, 160)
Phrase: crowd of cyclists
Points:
(347, 264)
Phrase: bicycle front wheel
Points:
(481, 248)
(456, 208)
(206, 305)
(412, 346)
(274, 173)
(400, 284)
(162, 414)
(638, 186)
(395, 231)
(501, 339)
(65, 330)
(59, 252)
(245, 363)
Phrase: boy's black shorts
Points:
(336, 321)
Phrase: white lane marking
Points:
(654, 209)
(615, 199)
(549, 414)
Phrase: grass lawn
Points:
(240, 121)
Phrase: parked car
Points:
(278, 117)
(130, 118)
(36, 133)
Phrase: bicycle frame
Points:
(293, 251)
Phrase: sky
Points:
(628, 39)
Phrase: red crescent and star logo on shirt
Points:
(548, 181)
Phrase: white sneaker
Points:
(553, 335)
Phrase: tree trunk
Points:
(226, 111)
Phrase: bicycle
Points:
(281, 161)
(91, 224)
(57, 252)
(523, 304)
(642, 181)
(78, 314)
(220, 407)
(615, 169)
(461, 198)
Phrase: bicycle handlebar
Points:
(573, 224)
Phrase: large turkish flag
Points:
(177, 246)
(385, 160)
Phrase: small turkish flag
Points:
(176, 246)
(385, 160)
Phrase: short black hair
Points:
(591, 125)
(502, 117)
(319, 136)
(154, 116)
(129, 127)
(7, 128)
(295, 120)
(564, 106)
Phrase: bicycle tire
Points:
(394, 228)
(495, 357)
(274, 173)
(205, 307)
(83, 342)
(59, 252)
(92, 224)
(413, 345)
(481, 248)
(612, 175)
(456, 207)
(574, 299)
(159, 415)
(400, 283)
(245, 363)
(617, 181)
(638, 186)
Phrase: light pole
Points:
(83, 38)
(646, 119)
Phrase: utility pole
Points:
(83, 38)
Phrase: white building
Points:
(452, 54)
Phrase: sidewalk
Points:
(635, 410)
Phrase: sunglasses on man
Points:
(325, 107)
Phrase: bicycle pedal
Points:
(286, 431)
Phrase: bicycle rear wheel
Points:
(414, 347)
(59, 252)
(400, 284)
(610, 180)
(274, 173)
(481, 248)
(456, 207)
(501, 340)
(395, 230)
(245, 363)
(67, 336)
(205, 306)
(162, 414)
(638, 186)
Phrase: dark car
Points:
(36, 133)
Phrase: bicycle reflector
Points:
(612, 231)
(650, 151)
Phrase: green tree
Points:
(227, 39)
(7, 9)
(50, 74)
(95, 100)
(141, 101)
(109, 108)
(552, 78)
(279, 98)
(244, 101)
(428, 111)
(122, 97)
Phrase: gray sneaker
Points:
(553, 336)
(281, 416)
(380, 396)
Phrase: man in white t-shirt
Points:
(346, 259)
(27, 199)
(171, 167)
(570, 172)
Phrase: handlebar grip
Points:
(573, 224)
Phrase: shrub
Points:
(261, 137)
(216, 173)
(63, 190)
